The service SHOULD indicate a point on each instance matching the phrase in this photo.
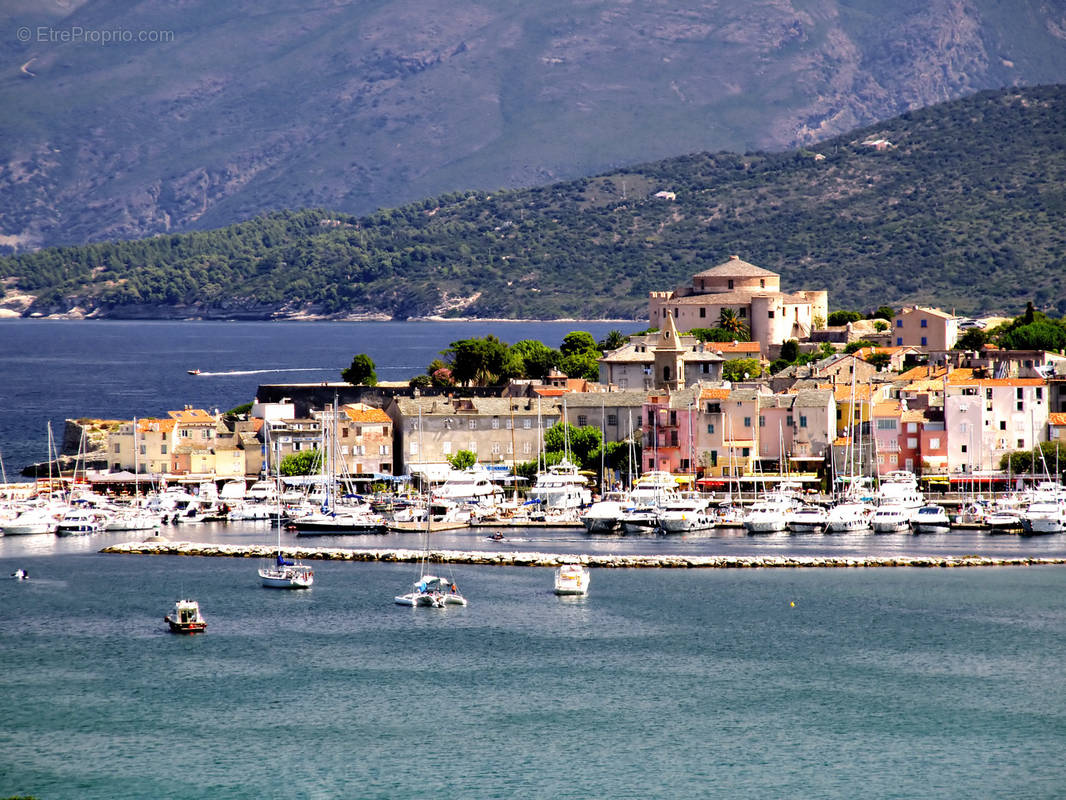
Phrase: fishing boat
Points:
(572, 579)
(186, 618)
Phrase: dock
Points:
(162, 547)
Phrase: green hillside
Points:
(965, 209)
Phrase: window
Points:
(473, 447)
(510, 449)
(934, 443)
(789, 421)
(383, 450)
(1018, 393)
(676, 310)
(925, 341)
(527, 424)
(184, 433)
(344, 449)
(925, 323)
(612, 419)
(1021, 444)
(703, 313)
(472, 424)
(893, 460)
(115, 448)
(507, 424)
(495, 448)
(1039, 392)
(710, 427)
(714, 458)
(770, 314)
(743, 313)
(730, 283)
(344, 432)
(762, 421)
(899, 341)
(886, 424)
(1021, 405)
(144, 449)
(962, 448)
(582, 420)
(1003, 424)
(747, 422)
(495, 423)
(912, 442)
(527, 448)
(745, 452)
(385, 468)
(803, 421)
(899, 323)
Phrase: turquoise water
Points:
(876, 683)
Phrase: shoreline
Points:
(158, 547)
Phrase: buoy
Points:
(792, 604)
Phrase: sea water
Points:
(660, 683)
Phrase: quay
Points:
(160, 547)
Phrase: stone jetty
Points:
(162, 547)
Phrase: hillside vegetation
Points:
(213, 112)
(963, 209)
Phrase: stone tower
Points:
(669, 358)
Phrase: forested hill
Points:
(963, 206)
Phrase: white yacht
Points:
(687, 512)
(603, 516)
(769, 515)
(639, 520)
(79, 521)
(847, 516)
(33, 520)
(133, 519)
(900, 488)
(1044, 516)
(1005, 516)
(561, 487)
(433, 592)
(572, 579)
(931, 519)
(891, 519)
(808, 518)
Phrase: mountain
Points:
(960, 205)
(125, 118)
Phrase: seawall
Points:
(527, 559)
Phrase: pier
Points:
(159, 547)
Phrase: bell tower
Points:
(669, 357)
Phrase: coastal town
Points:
(906, 402)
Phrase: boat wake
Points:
(260, 371)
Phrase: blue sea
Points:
(812, 683)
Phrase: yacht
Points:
(603, 515)
(1005, 516)
(687, 512)
(471, 485)
(561, 487)
(1044, 516)
(900, 488)
(639, 520)
(340, 520)
(847, 516)
(891, 519)
(768, 515)
(931, 519)
(572, 579)
(809, 518)
(33, 520)
(79, 521)
(431, 591)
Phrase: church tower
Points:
(669, 358)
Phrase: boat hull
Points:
(185, 627)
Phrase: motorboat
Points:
(432, 592)
(891, 518)
(472, 485)
(79, 521)
(931, 519)
(768, 515)
(32, 521)
(1005, 516)
(572, 579)
(900, 488)
(808, 518)
(133, 519)
(687, 512)
(285, 574)
(20, 575)
(193, 371)
(186, 618)
(1044, 516)
(640, 520)
(603, 515)
(848, 516)
(561, 486)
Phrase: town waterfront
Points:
(880, 683)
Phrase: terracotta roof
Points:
(162, 425)
(936, 312)
(714, 394)
(365, 414)
(732, 347)
(192, 415)
(887, 408)
(1012, 382)
(738, 267)
(550, 391)
(862, 392)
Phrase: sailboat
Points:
(430, 590)
(285, 574)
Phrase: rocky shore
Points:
(162, 547)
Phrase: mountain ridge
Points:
(960, 205)
(251, 107)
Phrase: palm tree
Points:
(728, 320)
(613, 341)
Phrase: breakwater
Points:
(161, 547)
